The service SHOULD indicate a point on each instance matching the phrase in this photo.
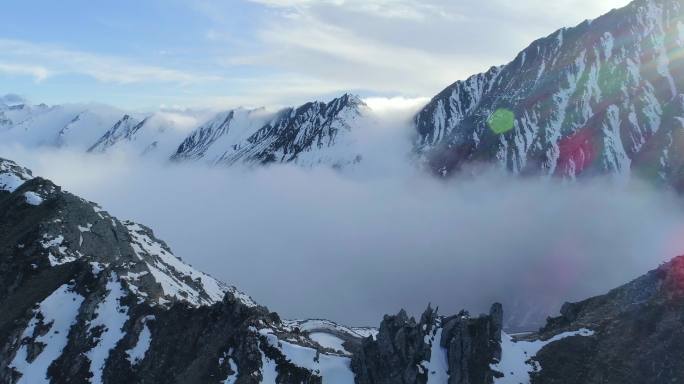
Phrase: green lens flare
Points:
(501, 121)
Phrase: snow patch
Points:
(438, 366)
(111, 317)
(515, 363)
(232, 378)
(12, 176)
(33, 198)
(59, 312)
(10, 182)
(268, 370)
(331, 368)
(137, 353)
(327, 340)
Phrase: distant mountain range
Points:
(603, 98)
(313, 134)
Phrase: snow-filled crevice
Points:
(58, 312)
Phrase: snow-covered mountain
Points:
(222, 133)
(604, 97)
(154, 135)
(313, 134)
(70, 126)
(85, 127)
(123, 130)
(96, 128)
(88, 298)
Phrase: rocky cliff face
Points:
(638, 334)
(453, 350)
(603, 97)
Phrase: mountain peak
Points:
(582, 101)
(70, 229)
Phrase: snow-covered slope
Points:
(222, 133)
(123, 130)
(73, 126)
(313, 134)
(155, 135)
(134, 255)
(603, 97)
(86, 127)
(96, 128)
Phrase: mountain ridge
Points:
(582, 101)
(315, 133)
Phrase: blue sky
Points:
(146, 53)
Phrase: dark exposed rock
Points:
(397, 352)
(403, 346)
(472, 345)
(639, 334)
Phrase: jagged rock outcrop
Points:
(454, 350)
(599, 98)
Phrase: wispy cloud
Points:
(44, 60)
(37, 72)
(278, 51)
(405, 46)
(391, 9)
(335, 52)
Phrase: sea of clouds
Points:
(353, 245)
